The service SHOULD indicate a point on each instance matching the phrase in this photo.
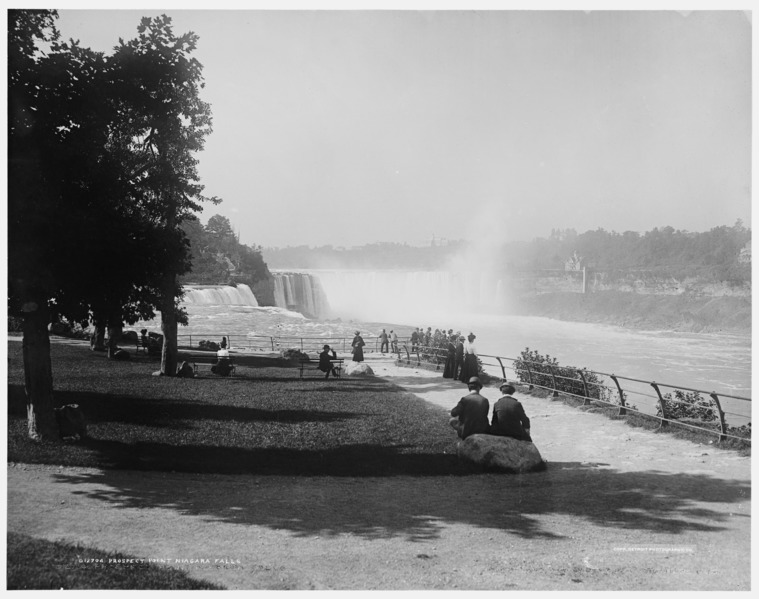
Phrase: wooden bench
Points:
(210, 364)
(337, 364)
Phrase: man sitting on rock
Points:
(470, 415)
(509, 419)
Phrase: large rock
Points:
(358, 369)
(503, 454)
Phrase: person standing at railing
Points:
(469, 368)
(450, 360)
(509, 418)
(358, 348)
(459, 364)
(415, 340)
(394, 341)
(383, 341)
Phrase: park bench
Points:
(199, 362)
(310, 365)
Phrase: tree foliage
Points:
(217, 256)
(713, 256)
(102, 172)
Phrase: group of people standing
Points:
(390, 340)
(461, 358)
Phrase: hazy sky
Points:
(351, 127)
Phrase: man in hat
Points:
(324, 362)
(509, 419)
(470, 415)
(383, 341)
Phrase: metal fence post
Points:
(721, 414)
(586, 401)
(553, 376)
(622, 409)
(529, 375)
(663, 419)
(503, 370)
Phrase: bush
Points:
(294, 353)
(63, 328)
(15, 324)
(568, 378)
(209, 345)
(687, 405)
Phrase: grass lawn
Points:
(38, 564)
(264, 420)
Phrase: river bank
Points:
(682, 313)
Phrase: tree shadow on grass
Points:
(350, 460)
(161, 413)
(417, 507)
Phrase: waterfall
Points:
(407, 296)
(300, 292)
(241, 295)
(390, 296)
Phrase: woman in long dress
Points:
(358, 348)
(470, 368)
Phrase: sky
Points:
(347, 127)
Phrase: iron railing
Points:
(624, 393)
(589, 386)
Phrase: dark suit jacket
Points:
(472, 411)
(509, 419)
(324, 360)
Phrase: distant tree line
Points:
(218, 257)
(716, 255)
(383, 255)
(101, 175)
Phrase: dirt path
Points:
(618, 508)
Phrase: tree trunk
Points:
(97, 341)
(114, 335)
(169, 358)
(38, 373)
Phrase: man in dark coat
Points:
(324, 362)
(415, 340)
(509, 419)
(470, 415)
(383, 341)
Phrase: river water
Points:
(715, 362)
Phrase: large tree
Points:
(99, 177)
(166, 123)
(45, 164)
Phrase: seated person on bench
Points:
(223, 364)
(324, 362)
